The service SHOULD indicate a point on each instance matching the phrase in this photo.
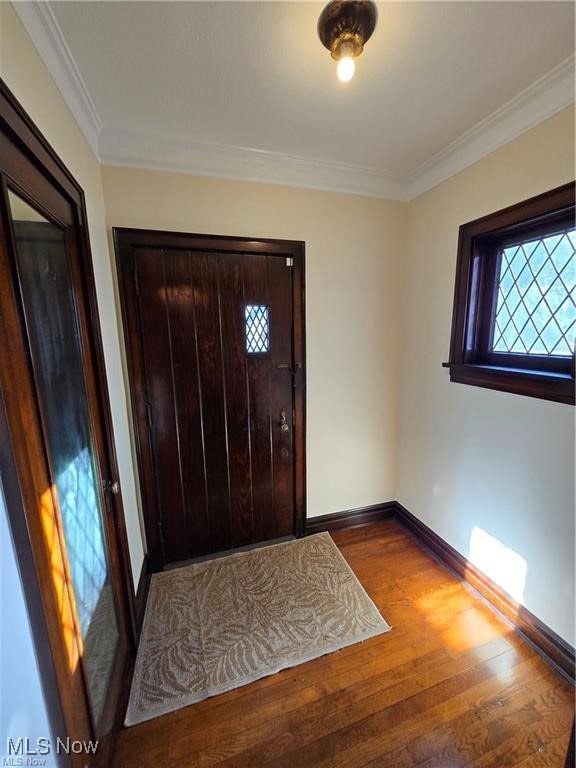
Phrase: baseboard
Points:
(351, 518)
(556, 651)
(142, 594)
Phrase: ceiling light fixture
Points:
(344, 27)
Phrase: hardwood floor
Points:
(450, 686)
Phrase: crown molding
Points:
(156, 151)
(541, 100)
(123, 147)
(544, 98)
(41, 24)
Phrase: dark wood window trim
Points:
(479, 242)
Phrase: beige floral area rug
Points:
(216, 625)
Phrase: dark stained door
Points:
(57, 456)
(213, 331)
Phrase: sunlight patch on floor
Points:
(452, 616)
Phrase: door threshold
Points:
(226, 552)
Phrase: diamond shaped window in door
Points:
(257, 329)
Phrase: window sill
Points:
(557, 387)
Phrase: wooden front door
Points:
(215, 367)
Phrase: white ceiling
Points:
(196, 84)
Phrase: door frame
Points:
(20, 463)
(125, 239)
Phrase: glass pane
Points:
(257, 328)
(536, 309)
(45, 278)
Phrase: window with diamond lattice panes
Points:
(536, 305)
(257, 329)
(514, 317)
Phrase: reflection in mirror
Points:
(47, 290)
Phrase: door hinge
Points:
(149, 414)
(136, 281)
(289, 261)
(161, 533)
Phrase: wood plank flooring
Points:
(450, 686)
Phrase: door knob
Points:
(284, 426)
(112, 487)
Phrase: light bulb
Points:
(346, 68)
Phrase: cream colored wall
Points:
(475, 458)
(27, 77)
(384, 421)
(353, 257)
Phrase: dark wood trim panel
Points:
(157, 238)
(557, 652)
(513, 218)
(479, 243)
(351, 518)
(19, 125)
(299, 342)
(142, 592)
(558, 388)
